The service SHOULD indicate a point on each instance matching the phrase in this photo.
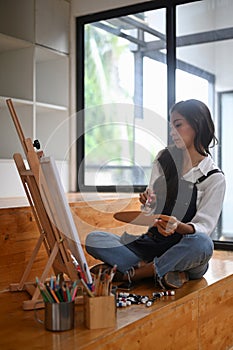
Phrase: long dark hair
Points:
(166, 186)
(198, 116)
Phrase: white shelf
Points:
(52, 77)
(44, 107)
(34, 73)
(11, 185)
(16, 73)
(52, 24)
(54, 138)
(8, 43)
(9, 140)
(17, 19)
(17, 102)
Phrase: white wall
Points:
(84, 7)
(11, 185)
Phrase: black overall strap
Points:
(202, 178)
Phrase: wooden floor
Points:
(199, 316)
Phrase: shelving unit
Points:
(34, 73)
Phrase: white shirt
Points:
(210, 193)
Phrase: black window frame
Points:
(170, 6)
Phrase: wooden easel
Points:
(54, 241)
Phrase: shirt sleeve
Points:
(209, 203)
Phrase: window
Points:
(225, 105)
(123, 95)
(204, 46)
(133, 63)
(120, 108)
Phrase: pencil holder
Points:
(99, 311)
(57, 316)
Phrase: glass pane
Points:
(204, 51)
(226, 142)
(125, 98)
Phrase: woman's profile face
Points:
(182, 133)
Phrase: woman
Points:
(188, 189)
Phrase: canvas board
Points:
(58, 209)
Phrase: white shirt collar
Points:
(202, 168)
(206, 165)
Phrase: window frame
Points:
(170, 6)
(221, 245)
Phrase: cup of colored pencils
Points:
(59, 300)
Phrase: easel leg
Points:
(30, 304)
(20, 286)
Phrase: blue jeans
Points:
(191, 254)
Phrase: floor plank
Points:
(201, 312)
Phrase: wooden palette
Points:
(139, 218)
